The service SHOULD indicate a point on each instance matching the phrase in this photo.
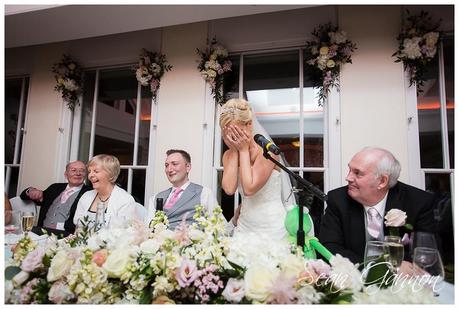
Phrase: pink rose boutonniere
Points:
(394, 219)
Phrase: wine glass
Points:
(423, 239)
(374, 261)
(28, 218)
(14, 226)
(395, 251)
(427, 264)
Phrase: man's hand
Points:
(407, 268)
(35, 194)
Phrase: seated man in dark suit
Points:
(59, 201)
(350, 221)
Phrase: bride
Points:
(259, 179)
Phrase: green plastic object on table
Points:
(311, 243)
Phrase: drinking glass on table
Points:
(28, 218)
(423, 239)
(395, 251)
(427, 263)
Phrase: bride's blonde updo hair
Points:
(235, 110)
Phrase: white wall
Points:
(44, 109)
(181, 100)
(372, 87)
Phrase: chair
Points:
(21, 205)
(141, 211)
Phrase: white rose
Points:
(431, 38)
(330, 63)
(323, 51)
(149, 246)
(259, 282)
(234, 290)
(292, 266)
(411, 48)
(395, 217)
(117, 262)
(60, 266)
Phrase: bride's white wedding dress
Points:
(263, 213)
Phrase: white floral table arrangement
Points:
(193, 264)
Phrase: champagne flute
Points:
(427, 264)
(395, 251)
(28, 218)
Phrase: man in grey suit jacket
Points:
(182, 198)
(373, 184)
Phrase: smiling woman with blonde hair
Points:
(120, 206)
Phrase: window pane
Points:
(115, 123)
(138, 186)
(271, 85)
(12, 102)
(86, 115)
(13, 186)
(440, 186)
(122, 179)
(448, 48)
(144, 127)
(313, 125)
(428, 106)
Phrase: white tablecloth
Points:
(446, 294)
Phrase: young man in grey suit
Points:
(372, 185)
(184, 195)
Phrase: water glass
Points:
(14, 227)
(423, 239)
(427, 264)
(374, 250)
(395, 251)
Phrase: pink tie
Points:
(174, 198)
(374, 224)
(66, 194)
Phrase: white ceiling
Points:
(31, 25)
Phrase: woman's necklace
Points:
(103, 201)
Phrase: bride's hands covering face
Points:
(227, 139)
(237, 137)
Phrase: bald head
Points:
(372, 171)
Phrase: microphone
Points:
(159, 204)
(266, 144)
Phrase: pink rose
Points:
(100, 256)
(186, 273)
(59, 292)
(33, 260)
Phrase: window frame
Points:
(21, 130)
(417, 173)
(332, 129)
(76, 132)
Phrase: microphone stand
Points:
(305, 184)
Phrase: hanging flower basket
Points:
(418, 45)
(151, 69)
(69, 78)
(328, 51)
(213, 66)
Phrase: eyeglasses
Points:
(77, 171)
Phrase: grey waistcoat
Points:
(186, 204)
(58, 212)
